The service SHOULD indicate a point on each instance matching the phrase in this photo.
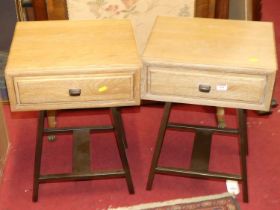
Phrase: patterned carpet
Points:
(223, 201)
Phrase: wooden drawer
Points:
(75, 91)
(204, 87)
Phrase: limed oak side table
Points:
(69, 65)
(209, 62)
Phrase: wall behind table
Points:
(7, 23)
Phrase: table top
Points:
(43, 47)
(202, 42)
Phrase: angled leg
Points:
(243, 151)
(242, 122)
(159, 143)
(52, 123)
(121, 147)
(121, 127)
(38, 154)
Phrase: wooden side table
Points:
(69, 65)
(208, 62)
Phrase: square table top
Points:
(52, 46)
(216, 43)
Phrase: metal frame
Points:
(201, 151)
(81, 154)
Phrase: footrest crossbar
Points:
(71, 129)
(81, 177)
(196, 174)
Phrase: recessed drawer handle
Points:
(74, 92)
(204, 88)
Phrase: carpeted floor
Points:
(141, 125)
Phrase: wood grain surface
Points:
(74, 44)
(228, 44)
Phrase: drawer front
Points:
(201, 84)
(74, 88)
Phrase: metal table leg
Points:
(81, 169)
(201, 151)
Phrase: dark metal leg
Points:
(121, 147)
(38, 153)
(122, 128)
(159, 143)
(201, 151)
(242, 119)
(243, 151)
(81, 154)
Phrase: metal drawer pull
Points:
(204, 88)
(74, 92)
